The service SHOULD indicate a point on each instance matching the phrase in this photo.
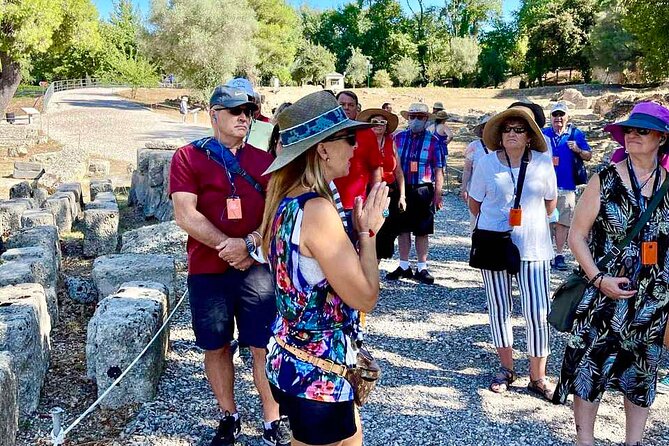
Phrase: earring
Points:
(327, 159)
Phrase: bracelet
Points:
(601, 279)
(369, 233)
(597, 276)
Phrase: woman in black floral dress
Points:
(616, 340)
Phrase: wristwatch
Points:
(250, 246)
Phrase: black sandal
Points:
(542, 388)
(503, 380)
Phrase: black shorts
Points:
(216, 300)
(316, 422)
(385, 239)
(419, 215)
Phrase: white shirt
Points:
(492, 186)
(475, 151)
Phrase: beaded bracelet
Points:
(597, 276)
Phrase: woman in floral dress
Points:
(321, 280)
(616, 339)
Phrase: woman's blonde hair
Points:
(305, 170)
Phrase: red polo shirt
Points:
(366, 159)
(191, 171)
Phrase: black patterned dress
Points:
(617, 344)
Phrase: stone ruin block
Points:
(162, 238)
(100, 232)
(44, 236)
(73, 187)
(98, 168)
(98, 186)
(106, 197)
(109, 205)
(123, 324)
(21, 190)
(27, 170)
(26, 335)
(111, 271)
(41, 269)
(11, 211)
(73, 202)
(150, 188)
(61, 210)
(81, 289)
(39, 196)
(9, 409)
(37, 217)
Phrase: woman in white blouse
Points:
(511, 135)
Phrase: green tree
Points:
(312, 63)
(382, 79)
(357, 68)
(385, 38)
(276, 39)
(130, 69)
(612, 47)
(647, 22)
(31, 28)
(405, 70)
(464, 18)
(497, 48)
(204, 42)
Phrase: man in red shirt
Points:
(218, 192)
(366, 164)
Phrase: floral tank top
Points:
(311, 317)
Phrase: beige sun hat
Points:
(307, 122)
(417, 107)
(492, 132)
(392, 118)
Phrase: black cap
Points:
(537, 111)
(229, 97)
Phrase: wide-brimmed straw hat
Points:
(645, 115)
(309, 121)
(417, 108)
(392, 118)
(492, 133)
(478, 128)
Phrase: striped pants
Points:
(534, 283)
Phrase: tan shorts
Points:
(566, 202)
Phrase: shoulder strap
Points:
(485, 149)
(229, 160)
(617, 249)
(521, 178)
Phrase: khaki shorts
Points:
(566, 202)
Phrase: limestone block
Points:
(98, 167)
(81, 290)
(39, 196)
(100, 232)
(18, 270)
(98, 186)
(61, 210)
(73, 187)
(162, 238)
(73, 202)
(17, 151)
(106, 196)
(150, 188)
(9, 409)
(110, 205)
(110, 271)
(25, 334)
(20, 190)
(123, 324)
(37, 217)
(10, 213)
(45, 236)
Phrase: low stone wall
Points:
(150, 183)
(162, 238)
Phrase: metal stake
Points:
(57, 419)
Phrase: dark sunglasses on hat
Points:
(558, 114)
(349, 137)
(638, 130)
(236, 111)
(378, 121)
(518, 130)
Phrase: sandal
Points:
(542, 387)
(502, 381)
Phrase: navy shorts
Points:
(419, 215)
(316, 422)
(218, 300)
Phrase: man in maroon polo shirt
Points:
(366, 163)
(217, 189)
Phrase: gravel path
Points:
(93, 123)
(434, 346)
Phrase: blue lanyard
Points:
(221, 147)
(637, 189)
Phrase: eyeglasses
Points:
(236, 111)
(418, 116)
(638, 130)
(349, 137)
(379, 122)
(558, 114)
(517, 130)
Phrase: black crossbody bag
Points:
(567, 297)
(494, 250)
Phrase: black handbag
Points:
(578, 167)
(567, 297)
(494, 250)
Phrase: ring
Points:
(385, 213)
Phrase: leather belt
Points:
(324, 364)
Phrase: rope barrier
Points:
(58, 434)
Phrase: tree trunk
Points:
(10, 78)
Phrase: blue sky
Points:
(105, 6)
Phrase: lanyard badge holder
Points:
(649, 238)
(516, 212)
(233, 204)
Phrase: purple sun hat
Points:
(645, 115)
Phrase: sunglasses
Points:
(236, 111)
(517, 130)
(638, 130)
(349, 137)
(379, 122)
(557, 114)
(420, 117)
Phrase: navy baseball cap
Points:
(229, 97)
(243, 84)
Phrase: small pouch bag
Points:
(363, 376)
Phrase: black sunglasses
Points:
(518, 130)
(639, 130)
(349, 137)
(236, 111)
(558, 114)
